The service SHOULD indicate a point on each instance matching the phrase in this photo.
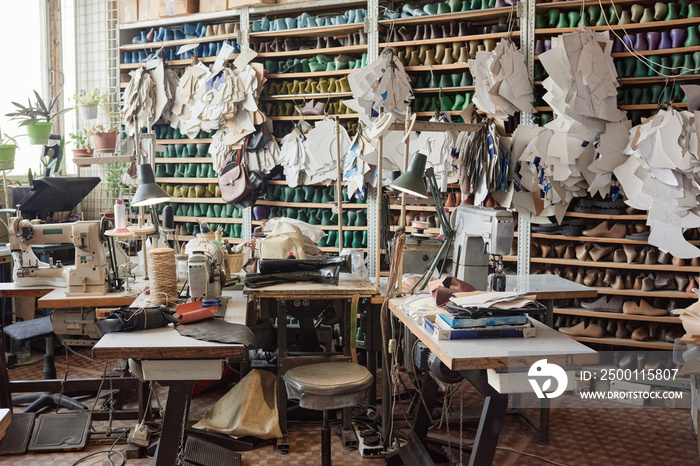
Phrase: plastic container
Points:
(22, 351)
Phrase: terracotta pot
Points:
(81, 154)
(104, 142)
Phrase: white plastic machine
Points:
(204, 269)
(89, 275)
(480, 232)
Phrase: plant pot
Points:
(81, 154)
(39, 132)
(104, 142)
(7, 156)
(88, 111)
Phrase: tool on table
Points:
(481, 232)
(318, 269)
(89, 275)
(204, 269)
(268, 266)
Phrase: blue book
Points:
(460, 322)
(436, 330)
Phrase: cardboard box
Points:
(241, 3)
(149, 9)
(128, 11)
(178, 7)
(210, 6)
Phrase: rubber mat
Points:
(17, 436)
(201, 452)
(61, 432)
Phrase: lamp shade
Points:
(411, 182)
(148, 192)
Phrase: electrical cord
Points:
(531, 455)
(110, 451)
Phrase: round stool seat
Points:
(328, 385)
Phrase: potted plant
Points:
(37, 118)
(87, 103)
(104, 139)
(82, 147)
(8, 147)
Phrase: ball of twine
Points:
(162, 274)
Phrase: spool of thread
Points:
(120, 217)
(162, 274)
(168, 217)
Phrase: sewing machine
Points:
(89, 275)
(204, 269)
(481, 232)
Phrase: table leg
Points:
(544, 422)
(492, 415)
(549, 316)
(414, 452)
(176, 410)
(543, 428)
(283, 443)
(348, 436)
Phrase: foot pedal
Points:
(61, 432)
(18, 433)
(201, 452)
(369, 443)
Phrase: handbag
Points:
(259, 139)
(234, 181)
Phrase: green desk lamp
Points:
(414, 182)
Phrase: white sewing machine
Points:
(89, 275)
(204, 269)
(480, 232)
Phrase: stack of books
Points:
(484, 315)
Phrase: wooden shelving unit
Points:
(183, 160)
(658, 297)
(614, 265)
(575, 311)
(650, 345)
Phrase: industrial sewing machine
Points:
(480, 232)
(90, 274)
(204, 269)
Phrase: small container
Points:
(22, 351)
(181, 261)
(168, 217)
(120, 217)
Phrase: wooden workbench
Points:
(166, 344)
(347, 287)
(282, 297)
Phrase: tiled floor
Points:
(579, 437)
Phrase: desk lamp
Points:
(414, 182)
(148, 193)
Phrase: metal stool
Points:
(32, 330)
(327, 386)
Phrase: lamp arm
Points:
(447, 230)
(439, 206)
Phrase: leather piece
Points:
(444, 288)
(219, 331)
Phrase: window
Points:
(24, 70)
